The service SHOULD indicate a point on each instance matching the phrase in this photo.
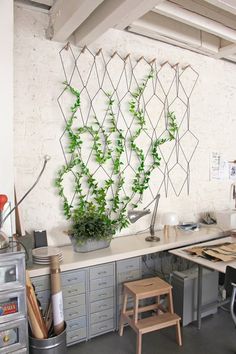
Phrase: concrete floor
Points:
(217, 336)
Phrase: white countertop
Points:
(130, 246)
(218, 266)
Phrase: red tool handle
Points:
(3, 200)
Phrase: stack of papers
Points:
(221, 252)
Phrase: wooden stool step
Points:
(154, 323)
(144, 289)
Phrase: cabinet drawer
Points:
(41, 283)
(73, 301)
(13, 336)
(101, 327)
(102, 316)
(101, 305)
(12, 271)
(77, 323)
(102, 283)
(128, 276)
(75, 336)
(72, 290)
(12, 305)
(128, 264)
(101, 294)
(69, 278)
(101, 271)
(74, 312)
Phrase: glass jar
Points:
(4, 242)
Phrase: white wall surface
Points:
(38, 123)
(6, 100)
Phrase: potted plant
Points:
(91, 230)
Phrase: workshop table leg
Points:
(199, 297)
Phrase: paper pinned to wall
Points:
(232, 171)
(219, 168)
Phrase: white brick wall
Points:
(38, 123)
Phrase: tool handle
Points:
(3, 201)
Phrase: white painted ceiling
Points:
(204, 26)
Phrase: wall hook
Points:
(99, 51)
(127, 56)
(83, 49)
(112, 56)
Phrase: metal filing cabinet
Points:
(185, 287)
(13, 315)
(126, 270)
(74, 301)
(102, 309)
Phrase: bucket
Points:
(54, 345)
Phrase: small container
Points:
(53, 345)
(4, 242)
(233, 233)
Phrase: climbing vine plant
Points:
(108, 149)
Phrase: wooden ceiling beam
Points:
(180, 14)
(207, 10)
(138, 11)
(227, 5)
(66, 18)
(43, 2)
(111, 13)
(162, 28)
(225, 51)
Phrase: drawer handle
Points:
(74, 337)
(72, 291)
(75, 325)
(102, 306)
(130, 267)
(73, 314)
(103, 316)
(104, 272)
(104, 294)
(104, 283)
(72, 279)
(129, 278)
(72, 303)
(103, 327)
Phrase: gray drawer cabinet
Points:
(102, 304)
(92, 297)
(13, 314)
(74, 301)
(126, 270)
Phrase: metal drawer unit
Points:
(74, 295)
(74, 301)
(126, 270)
(13, 315)
(102, 314)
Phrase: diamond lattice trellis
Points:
(168, 89)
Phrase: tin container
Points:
(54, 345)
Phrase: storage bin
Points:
(53, 345)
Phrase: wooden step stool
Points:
(143, 289)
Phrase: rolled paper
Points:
(56, 292)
